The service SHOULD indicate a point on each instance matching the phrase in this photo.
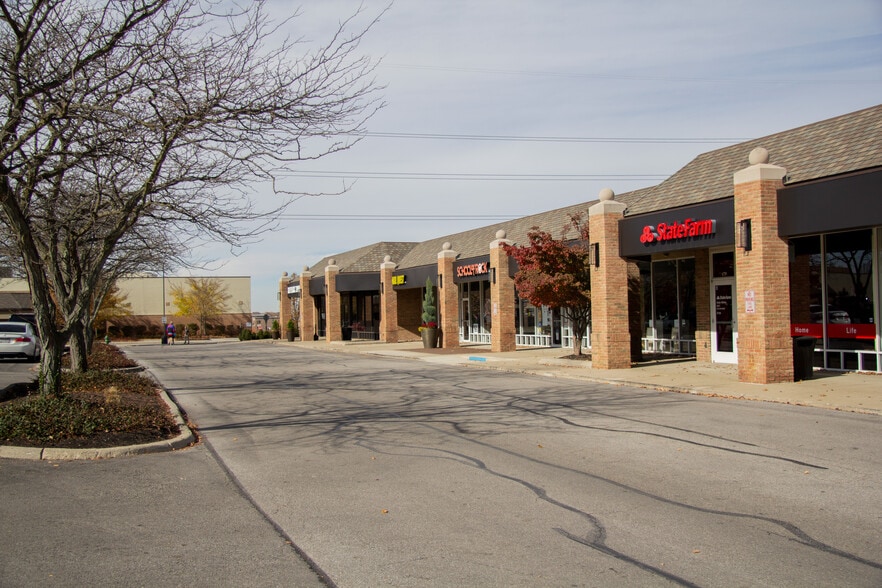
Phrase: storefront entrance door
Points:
(724, 322)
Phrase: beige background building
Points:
(152, 303)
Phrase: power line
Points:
(634, 77)
(468, 176)
(397, 217)
(555, 139)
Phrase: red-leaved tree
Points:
(555, 273)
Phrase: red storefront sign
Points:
(834, 330)
(807, 330)
(473, 269)
(677, 230)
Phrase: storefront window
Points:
(645, 268)
(321, 323)
(724, 264)
(849, 287)
(526, 318)
(664, 287)
(831, 297)
(360, 315)
(686, 290)
(805, 285)
(475, 317)
(668, 303)
(673, 289)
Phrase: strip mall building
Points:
(728, 260)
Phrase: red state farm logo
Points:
(677, 230)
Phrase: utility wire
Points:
(467, 176)
(554, 139)
(398, 217)
(777, 80)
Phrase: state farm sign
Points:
(677, 231)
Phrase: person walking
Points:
(186, 334)
(170, 333)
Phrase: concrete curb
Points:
(184, 439)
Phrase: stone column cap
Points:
(759, 170)
(388, 263)
(500, 240)
(447, 251)
(607, 204)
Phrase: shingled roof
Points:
(364, 259)
(847, 143)
(475, 242)
(15, 302)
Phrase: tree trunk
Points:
(579, 320)
(79, 357)
(50, 367)
(89, 335)
(578, 331)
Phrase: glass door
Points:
(724, 321)
(464, 313)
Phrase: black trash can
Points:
(803, 350)
(165, 339)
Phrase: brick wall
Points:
(285, 309)
(333, 327)
(307, 308)
(610, 336)
(388, 304)
(765, 348)
(410, 310)
(502, 299)
(448, 299)
(702, 306)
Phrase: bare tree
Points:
(157, 115)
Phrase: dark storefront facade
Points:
(834, 268)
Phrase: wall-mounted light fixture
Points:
(743, 237)
(594, 254)
(493, 275)
(382, 287)
(440, 280)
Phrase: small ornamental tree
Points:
(556, 273)
(429, 311)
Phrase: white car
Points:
(19, 340)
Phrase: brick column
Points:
(284, 302)
(388, 303)
(610, 338)
(333, 328)
(448, 298)
(765, 348)
(307, 307)
(502, 297)
(702, 307)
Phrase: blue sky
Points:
(665, 81)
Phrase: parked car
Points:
(19, 340)
(834, 315)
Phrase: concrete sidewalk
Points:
(848, 391)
